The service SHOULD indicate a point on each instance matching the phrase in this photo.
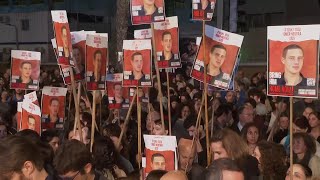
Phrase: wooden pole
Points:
(94, 105)
(205, 92)
(169, 104)
(139, 127)
(126, 121)
(291, 138)
(76, 104)
(158, 75)
(69, 106)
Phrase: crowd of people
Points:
(248, 132)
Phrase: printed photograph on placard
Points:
(25, 69)
(137, 64)
(63, 37)
(30, 117)
(203, 9)
(117, 95)
(31, 97)
(143, 34)
(293, 60)
(147, 11)
(221, 55)
(53, 106)
(166, 35)
(188, 49)
(143, 94)
(96, 61)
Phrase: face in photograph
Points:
(166, 41)
(158, 162)
(54, 107)
(292, 58)
(64, 37)
(137, 62)
(217, 56)
(97, 64)
(26, 70)
(31, 123)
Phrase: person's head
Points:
(284, 120)
(158, 162)
(300, 124)
(156, 174)
(166, 41)
(158, 128)
(190, 125)
(307, 111)
(20, 159)
(117, 89)
(64, 36)
(54, 106)
(186, 154)
(52, 138)
(300, 172)
(137, 62)
(26, 69)
(292, 58)
(31, 122)
(104, 153)
(3, 130)
(151, 118)
(228, 144)
(174, 175)
(223, 169)
(251, 133)
(185, 111)
(73, 160)
(303, 144)
(4, 95)
(230, 96)
(217, 56)
(314, 120)
(246, 114)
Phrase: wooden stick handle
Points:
(291, 137)
(169, 101)
(94, 105)
(139, 127)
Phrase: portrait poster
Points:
(143, 94)
(147, 11)
(293, 61)
(53, 107)
(19, 115)
(31, 97)
(142, 34)
(189, 48)
(137, 63)
(30, 116)
(63, 37)
(25, 69)
(117, 95)
(96, 61)
(166, 36)
(160, 153)
(221, 55)
(78, 40)
(202, 10)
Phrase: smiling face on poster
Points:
(203, 9)
(147, 11)
(137, 63)
(30, 116)
(63, 37)
(25, 69)
(53, 105)
(117, 95)
(96, 61)
(293, 60)
(221, 55)
(167, 43)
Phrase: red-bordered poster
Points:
(117, 95)
(166, 35)
(221, 52)
(147, 11)
(143, 94)
(137, 64)
(63, 37)
(30, 116)
(203, 9)
(53, 106)
(143, 34)
(293, 60)
(160, 153)
(96, 61)
(25, 69)
(31, 97)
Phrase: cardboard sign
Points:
(146, 12)
(143, 34)
(30, 116)
(117, 95)
(202, 10)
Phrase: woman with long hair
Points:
(251, 134)
(314, 122)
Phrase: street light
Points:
(16, 31)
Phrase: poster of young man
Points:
(221, 55)
(143, 94)
(160, 153)
(147, 11)
(203, 9)
(96, 61)
(63, 37)
(78, 40)
(53, 106)
(25, 69)
(30, 116)
(137, 64)
(143, 34)
(293, 60)
(31, 97)
(117, 95)
(19, 115)
(167, 43)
